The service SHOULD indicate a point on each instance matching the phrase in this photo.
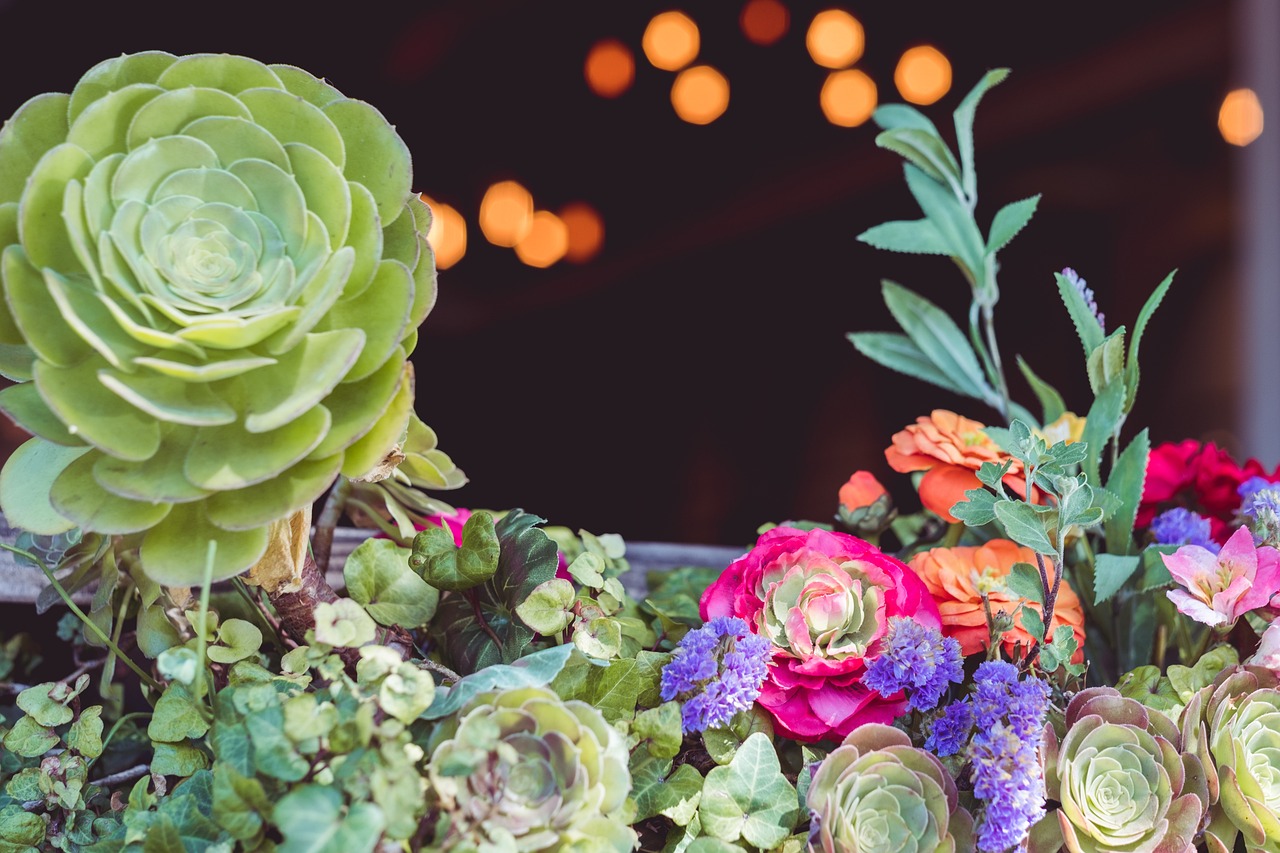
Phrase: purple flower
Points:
(1249, 487)
(950, 732)
(1179, 526)
(1080, 285)
(918, 660)
(716, 672)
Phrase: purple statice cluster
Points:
(1180, 526)
(716, 672)
(1258, 494)
(1081, 286)
(918, 660)
(1008, 715)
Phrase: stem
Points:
(202, 640)
(80, 614)
(975, 338)
(952, 537)
(988, 323)
(334, 505)
(389, 530)
(484, 623)
(281, 643)
(427, 663)
(106, 741)
(1050, 599)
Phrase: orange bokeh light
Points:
(763, 22)
(448, 233)
(923, 75)
(835, 39)
(506, 213)
(546, 242)
(610, 68)
(1240, 117)
(700, 94)
(671, 41)
(848, 97)
(586, 231)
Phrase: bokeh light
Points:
(546, 241)
(923, 75)
(610, 68)
(448, 234)
(506, 213)
(671, 41)
(1240, 117)
(700, 94)
(764, 22)
(586, 231)
(835, 39)
(848, 97)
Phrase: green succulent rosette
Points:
(524, 770)
(1234, 726)
(876, 793)
(1122, 780)
(213, 271)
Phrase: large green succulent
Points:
(213, 270)
(1234, 726)
(1122, 780)
(525, 771)
(876, 793)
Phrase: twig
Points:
(123, 776)
(428, 664)
(484, 623)
(334, 505)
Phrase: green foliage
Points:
(749, 798)
(448, 567)
(378, 577)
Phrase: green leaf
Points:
(749, 798)
(939, 338)
(534, 670)
(615, 690)
(447, 567)
(1101, 422)
(1132, 373)
(601, 638)
(177, 716)
(548, 609)
(1106, 363)
(311, 819)
(25, 483)
(1155, 574)
(926, 150)
(1024, 581)
(661, 726)
(343, 624)
(378, 577)
(680, 797)
(978, 508)
(1050, 400)
(85, 735)
(953, 221)
(891, 116)
(1110, 571)
(1010, 219)
(917, 237)
(648, 777)
(1126, 481)
(20, 830)
(1091, 334)
(1032, 622)
(47, 703)
(587, 569)
(898, 352)
(237, 640)
(964, 128)
(155, 633)
(30, 739)
(1027, 525)
(239, 802)
(722, 742)
(177, 759)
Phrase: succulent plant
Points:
(1121, 778)
(1233, 725)
(213, 270)
(876, 793)
(524, 770)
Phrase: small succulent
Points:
(524, 770)
(1122, 780)
(876, 793)
(1234, 727)
(213, 270)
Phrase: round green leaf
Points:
(378, 576)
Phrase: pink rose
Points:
(824, 601)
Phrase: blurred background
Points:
(647, 212)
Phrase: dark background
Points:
(694, 379)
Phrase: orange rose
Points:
(957, 578)
(863, 489)
(949, 449)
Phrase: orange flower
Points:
(957, 578)
(949, 449)
(863, 489)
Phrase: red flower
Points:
(824, 600)
(1201, 477)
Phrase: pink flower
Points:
(1268, 653)
(1220, 588)
(824, 601)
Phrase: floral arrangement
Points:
(214, 270)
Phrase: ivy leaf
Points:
(177, 759)
(378, 577)
(661, 726)
(601, 638)
(47, 703)
(479, 627)
(1010, 219)
(723, 743)
(20, 829)
(30, 739)
(680, 797)
(1024, 581)
(239, 802)
(1126, 481)
(535, 670)
(749, 798)
(939, 338)
(915, 236)
(648, 775)
(176, 716)
(587, 569)
(85, 734)
(1110, 571)
(448, 567)
(311, 819)
(238, 640)
(548, 609)
(615, 689)
(898, 352)
(1051, 402)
